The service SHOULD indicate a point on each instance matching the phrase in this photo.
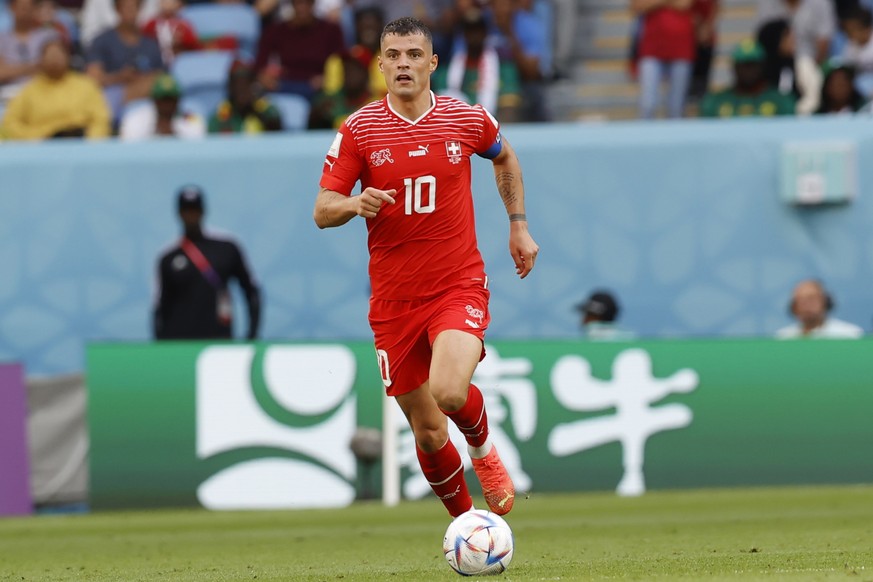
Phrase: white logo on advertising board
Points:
(304, 380)
(631, 393)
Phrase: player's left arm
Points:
(507, 172)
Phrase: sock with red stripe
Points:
(471, 419)
(444, 471)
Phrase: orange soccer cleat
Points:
(497, 487)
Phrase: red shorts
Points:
(405, 331)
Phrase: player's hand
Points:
(371, 200)
(523, 249)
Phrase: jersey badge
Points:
(335, 146)
(380, 157)
(453, 149)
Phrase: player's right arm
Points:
(335, 209)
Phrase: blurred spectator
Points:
(368, 31)
(776, 39)
(292, 54)
(751, 95)
(47, 16)
(244, 111)
(194, 300)
(813, 23)
(476, 74)
(57, 102)
(21, 48)
(273, 11)
(329, 110)
(161, 115)
(811, 305)
(123, 61)
(98, 16)
(428, 12)
(704, 14)
(813, 26)
(858, 26)
(565, 20)
(838, 93)
(522, 38)
(599, 314)
(173, 33)
(666, 52)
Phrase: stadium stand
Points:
(202, 76)
(294, 110)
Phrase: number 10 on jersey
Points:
(416, 195)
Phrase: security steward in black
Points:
(194, 301)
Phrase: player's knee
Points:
(430, 439)
(449, 399)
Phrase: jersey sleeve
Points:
(343, 163)
(489, 145)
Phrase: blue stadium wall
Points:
(683, 220)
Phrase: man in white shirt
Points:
(858, 24)
(161, 116)
(810, 305)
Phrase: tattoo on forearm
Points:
(506, 185)
(518, 218)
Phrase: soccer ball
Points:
(478, 542)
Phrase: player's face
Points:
(407, 62)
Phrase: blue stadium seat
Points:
(196, 106)
(202, 69)
(202, 76)
(240, 21)
(294, 110)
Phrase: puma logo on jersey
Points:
(421, 151)
(329, 163)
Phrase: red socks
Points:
(444, 471)
(471, 418)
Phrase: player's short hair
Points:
(406, 26)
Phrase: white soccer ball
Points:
(478, 543)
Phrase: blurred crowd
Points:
(141, 68)
(804, 57)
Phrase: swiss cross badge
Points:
(453, 149)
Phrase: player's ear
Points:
(434, 61)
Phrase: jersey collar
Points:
(433, 102)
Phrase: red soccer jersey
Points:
(426, 242)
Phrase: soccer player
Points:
(429, 306)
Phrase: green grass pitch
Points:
(822, 533)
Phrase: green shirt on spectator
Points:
(263, 117)
(728, 103)
(509, 90)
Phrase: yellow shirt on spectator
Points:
(333, 76)
(46, 106)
